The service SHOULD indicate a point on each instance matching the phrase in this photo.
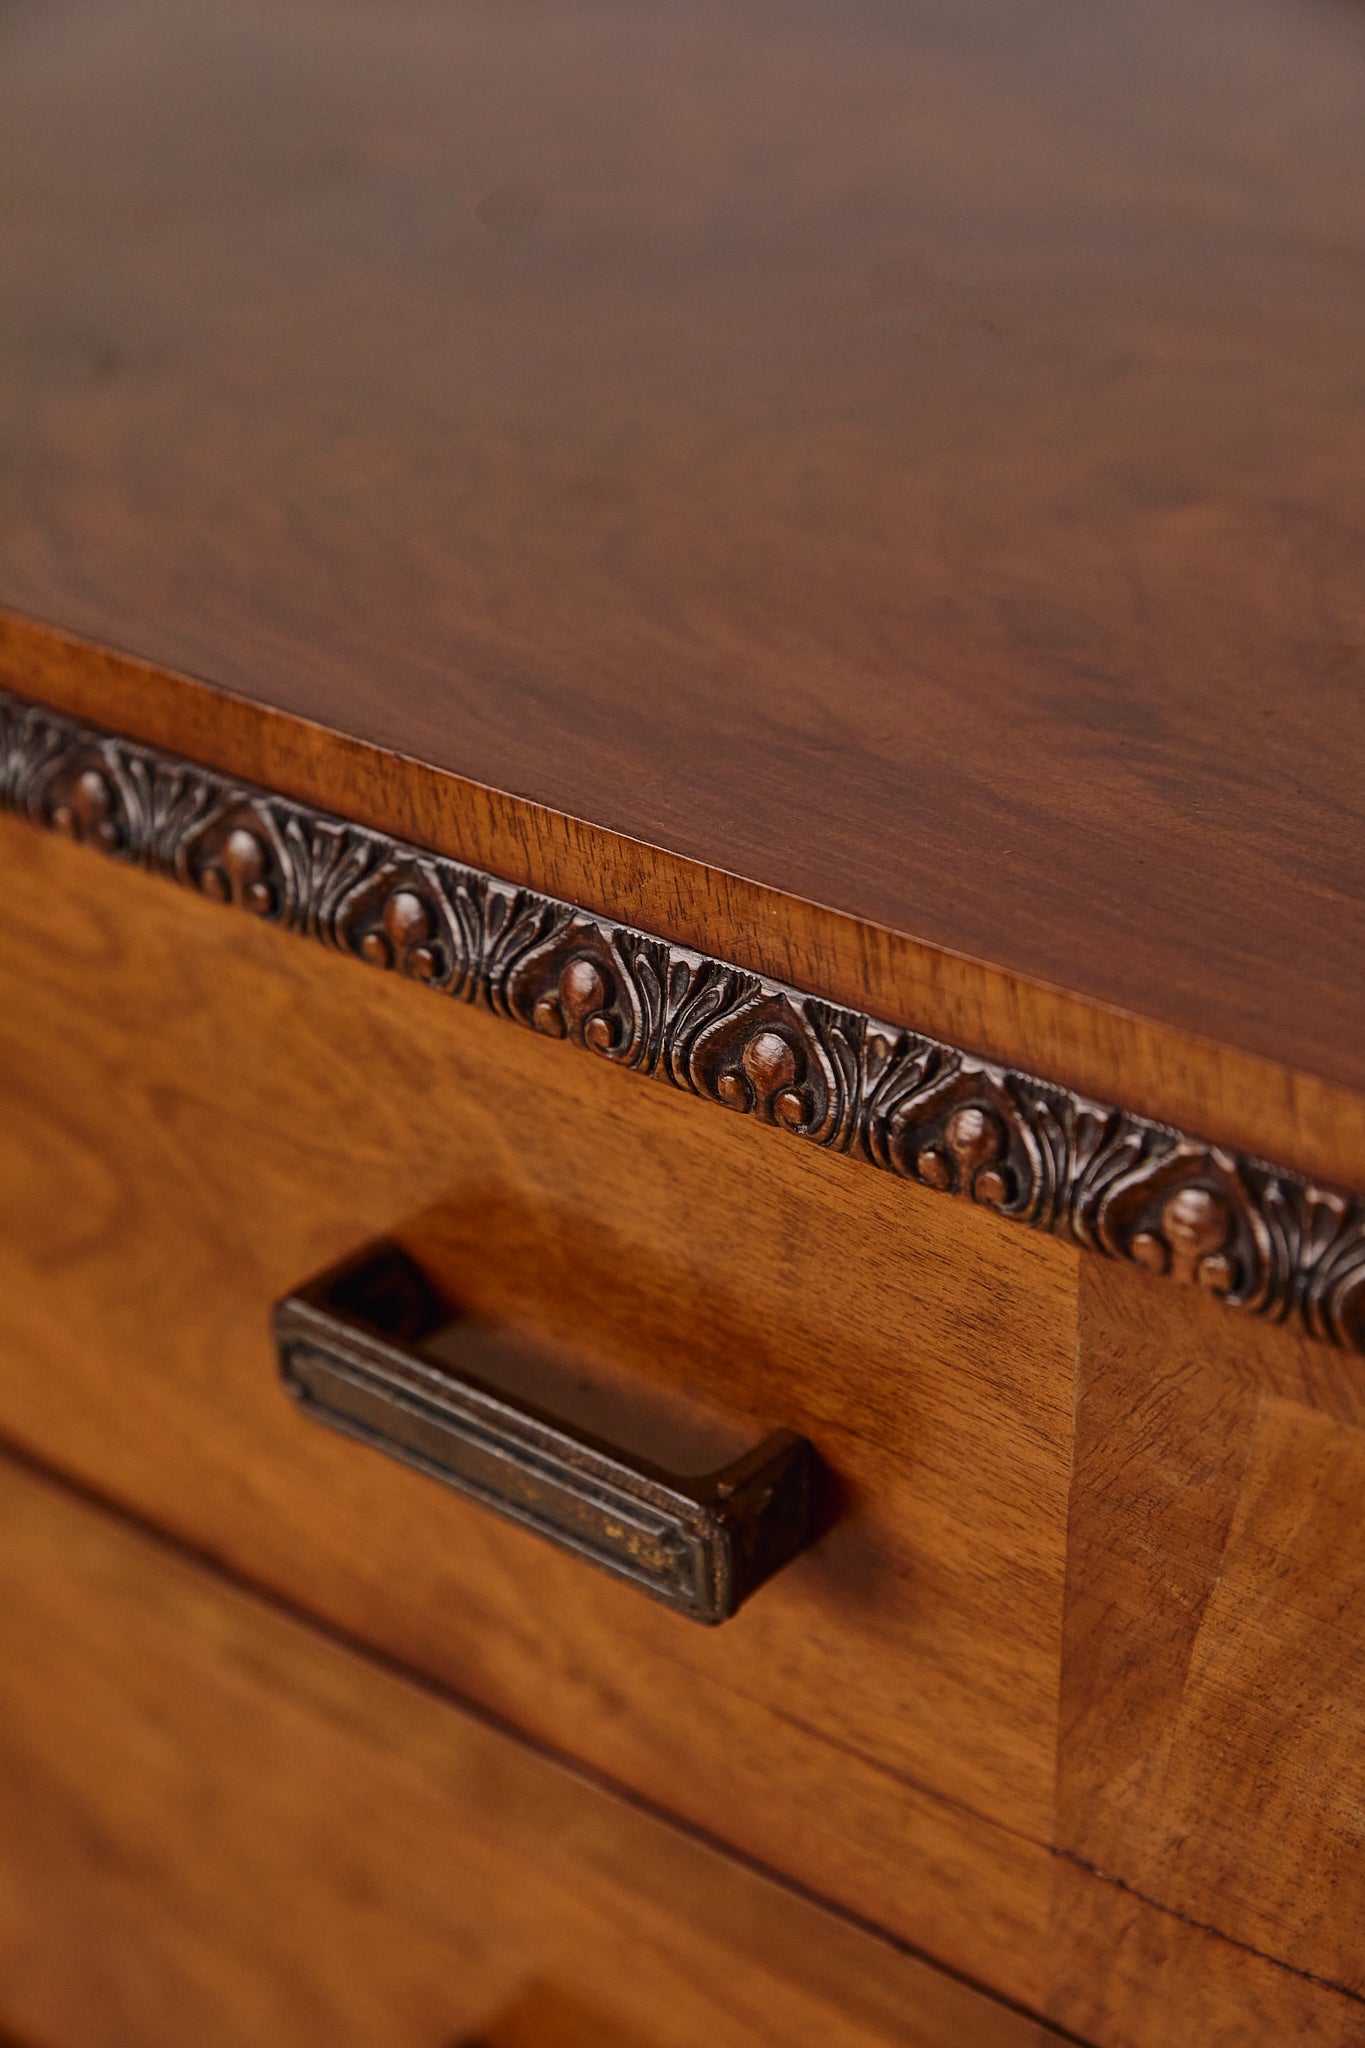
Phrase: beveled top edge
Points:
(1249, 1103)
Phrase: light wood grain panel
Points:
(1127, 1973)
(217, 1828)
(200, 1111)
(1213, 1698)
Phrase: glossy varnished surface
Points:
(912, 457)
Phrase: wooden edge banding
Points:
(1257, 1236)
(1248, 1100)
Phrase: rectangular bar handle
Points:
(349, 1353)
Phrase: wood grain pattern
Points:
(1129, 1973)
(1213, 1699)
(216, 1827)
(1253, 1236)
(1249, 1103)
(199, 1111)
(170, 1161)
(874, 496)
(908, 459)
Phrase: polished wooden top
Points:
(910, 455)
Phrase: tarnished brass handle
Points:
(350, 1353)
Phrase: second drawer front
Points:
(217, 1828)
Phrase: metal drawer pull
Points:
(350, 1353)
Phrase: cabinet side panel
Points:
(1213, 1748)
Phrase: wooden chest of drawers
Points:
(751, 837)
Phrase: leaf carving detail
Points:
(1110, 1182)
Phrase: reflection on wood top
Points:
(909, 455)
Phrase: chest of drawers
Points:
(680, 753)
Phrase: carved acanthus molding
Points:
(1258, 1237)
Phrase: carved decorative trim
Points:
(1256, 1236)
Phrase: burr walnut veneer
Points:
(680, 773)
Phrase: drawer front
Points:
(217, 1827)
(1067, 1690)
(201, 1112)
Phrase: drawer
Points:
(201, 1111)
(217, 1827)
(1066, 1692)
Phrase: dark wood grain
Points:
(910, 458)
(218, 1828)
